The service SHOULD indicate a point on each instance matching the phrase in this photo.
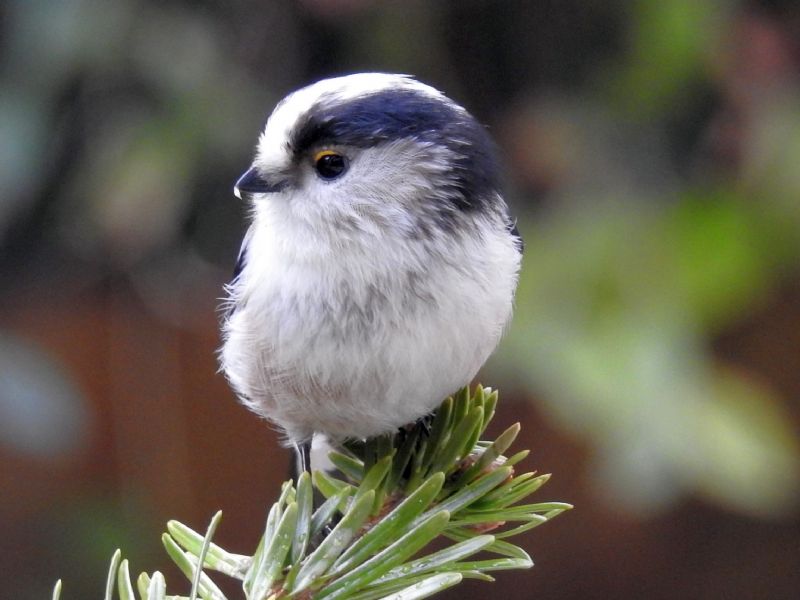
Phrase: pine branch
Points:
(392, 496)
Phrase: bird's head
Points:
(371, 154)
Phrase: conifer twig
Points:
(390, 498)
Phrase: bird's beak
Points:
(252, 182)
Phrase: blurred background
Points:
(653, 153)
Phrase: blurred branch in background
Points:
(635, 266)
(652, 151)
(616, 312)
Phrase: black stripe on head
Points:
(394, 114)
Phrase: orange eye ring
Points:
(321, 153)
(330, 164)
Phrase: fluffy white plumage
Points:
(364, 300)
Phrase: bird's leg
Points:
(425, 423)
(303, 465)
(303, 451)
(422, 426)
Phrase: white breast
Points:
(357, 339)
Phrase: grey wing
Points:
(512, 229)
(241, 261)
(242, 258)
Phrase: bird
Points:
(379, 268)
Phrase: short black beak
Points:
(253, 183)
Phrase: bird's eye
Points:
(329, 164)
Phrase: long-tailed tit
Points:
(379, 270)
